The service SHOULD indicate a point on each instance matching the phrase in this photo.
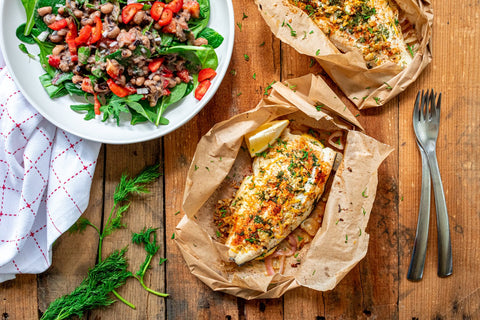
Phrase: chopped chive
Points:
(318, 52)
(239, 25)
(312, 62)
(389, 87)
(254, 76)
(377, 100)
(247, 58)
(177, 212)
(196, 168)
(244, 16)
(262, 44)
(364, 193)
(173, 235)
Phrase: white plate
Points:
(26, 71)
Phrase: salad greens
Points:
(58, 83)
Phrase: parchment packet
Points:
(219, 160)
(366, 88)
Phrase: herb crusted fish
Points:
(287, 180)
(370, 27)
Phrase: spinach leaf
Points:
(45, 50)
(29, 6)
(73, 89)
(214, 38)
(20, 33)
(203, 56)
(53, 91)
(176, 94)
(197, 25)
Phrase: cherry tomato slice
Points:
(130, 10)
(175, 5)
(166, 18)
(184, 76)
(119, 90)
(58, 25)
(155, 64)
(157, 10)
(192, 7)
(202, 89)
(83, 35)
(97, 30)
(207, 73)
(54, 61)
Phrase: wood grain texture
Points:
(454, 72)
(377, 287)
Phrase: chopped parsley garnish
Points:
(218, 234)
(293, 33)
(268, 88)
(364, 193)
(410, 49)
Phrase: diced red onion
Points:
(282, 264)
(269, 265)
(43, 36)
(105, 34)
(131, 1)
(142, 91)
(334, 137)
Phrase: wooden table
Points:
(377, 287)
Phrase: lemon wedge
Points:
(259, 139)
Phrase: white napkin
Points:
(45, 179)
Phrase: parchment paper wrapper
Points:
(341, 240)
(366, 88)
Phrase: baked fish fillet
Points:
(370, 27)
(287, 180)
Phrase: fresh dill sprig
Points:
(94, 290)
(121, 202)
(150, 245)
(123, 191)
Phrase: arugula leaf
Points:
(89, 107)
(197, 25)
(45, 50)
(213, 37)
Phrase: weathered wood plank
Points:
(454, 72)
(145, 211)
(18, 298)
(71, 261)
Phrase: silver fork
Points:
(426, 120)
(417, 262)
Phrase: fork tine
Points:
(424, 107)
(439, 103)
(416, 107)
(433, 109)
